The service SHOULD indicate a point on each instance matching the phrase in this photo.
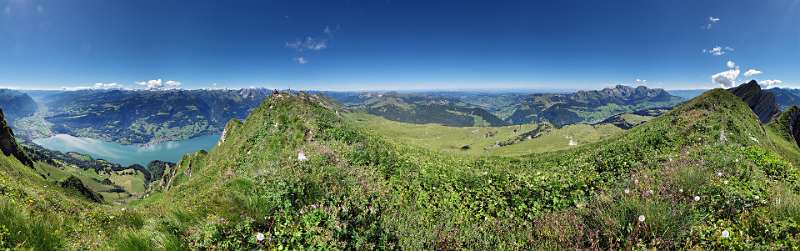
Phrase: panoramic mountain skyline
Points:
(397, 45)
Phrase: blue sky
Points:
(392, 44)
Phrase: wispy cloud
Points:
(730, 64)
(718, 50)
(308, 44)
(640, 82)
(311, 44)
(96, 86)
(108, 86)
(331, 31)
(770, 83)
(711, 22)
(158, 84)
(751, 72)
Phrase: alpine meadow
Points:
(399, 125)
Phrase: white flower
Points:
(650, 192)
(123, 209)
(696, 198)
(726, 234)
(627, 191)
(757, 197)
(641, 218)
(719, 174)
(680, 190)
(301, 156)
(259, 236)
(725, 182)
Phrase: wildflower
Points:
(719, 174)
(650, 192)
(726, 234)
(123, 209)
(301, 156)
(641, 218)
(680, 190)
(757, 197)
(260, 236)
(627, 191)
(696, 198)
(725, 182)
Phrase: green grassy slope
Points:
(40, 215)
(482, 141)
(120, 187)
(706, 175)
(360, 190)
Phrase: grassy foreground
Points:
(300, 173)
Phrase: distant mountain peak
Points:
(761, 102)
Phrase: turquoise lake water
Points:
(128, 154)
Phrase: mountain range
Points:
(497, 109)
(16, 105)
(139, 117)
(298, 172)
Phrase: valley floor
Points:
(486, 141)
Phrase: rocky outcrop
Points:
(761, 102)
(8, 143)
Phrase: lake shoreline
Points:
(128, 154)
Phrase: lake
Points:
(128, 154)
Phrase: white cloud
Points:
(751, 72)
(309, 44)
(718, 50)
(330, 31)
(172, 84)
(730, 64)
(770, 83)
(108, 86)
(711, 22)
(158, 84)
(301, 60)
(641, 82)
(96, 86)
(727, 78)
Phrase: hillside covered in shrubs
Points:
(297, 173)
